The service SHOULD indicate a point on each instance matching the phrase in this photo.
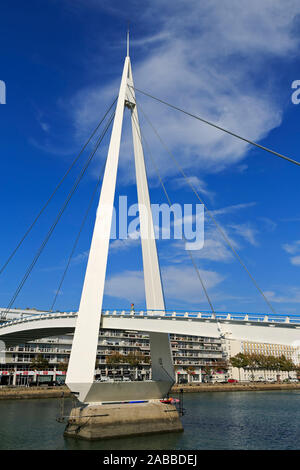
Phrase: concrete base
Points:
(98, 392)
(98, 421)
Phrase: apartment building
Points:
(196, 359)
(233, 347)
(121, 353)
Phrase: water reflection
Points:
(220, 420)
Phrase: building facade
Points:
(126, 354)
(234, 347)
(121, 353)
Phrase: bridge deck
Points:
(249, 327)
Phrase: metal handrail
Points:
(226, 316)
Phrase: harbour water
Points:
(213, 420)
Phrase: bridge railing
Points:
(257, 317)
(190, 315)
(41, 316)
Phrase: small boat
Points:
(171, 401)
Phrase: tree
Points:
(190, 370)
(63, 366)
(137, 358)
(286, 365)
(221, 364)
(134, 359)
(115, 359)
(274, 363)
(39, 363)
(253, 363)
(207, 371)
(297, 369)
(270, 362)
(262, 362)
(239, 361)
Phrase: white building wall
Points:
(234, 347)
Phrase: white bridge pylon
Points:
(81, 369)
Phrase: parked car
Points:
(32, 384)
(104, 379)
(55, 383)
(232, 381)
(183, 381)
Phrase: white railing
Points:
(171, 315)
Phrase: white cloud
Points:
(291, 294)
(124, 244)
(207, 58)
(215, 247)
(180, 283)
(195, 182)
(268, 224)
(80, 258)
(45, 126)
(293, 249)
(233, 208)
(127, 285)
(150, 40)
(246, 231)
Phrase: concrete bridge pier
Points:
(107, 421)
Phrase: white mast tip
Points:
(128, 41)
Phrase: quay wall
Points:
(56, 392)
(7, 393)
(236, 387)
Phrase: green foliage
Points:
(240, 361)
(220, 364)
(113, 359)
(134, 359)
(207, 370)
(39, 363)
(262, 362)
(63, 366)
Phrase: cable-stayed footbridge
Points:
(156, 319)
(272, 329)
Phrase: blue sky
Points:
(230, 62)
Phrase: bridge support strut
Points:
(81, 370)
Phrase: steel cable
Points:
(54, 192)
(77, 238)
(209, 213)
(44, 243)
(142, 138)
(205, 121)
